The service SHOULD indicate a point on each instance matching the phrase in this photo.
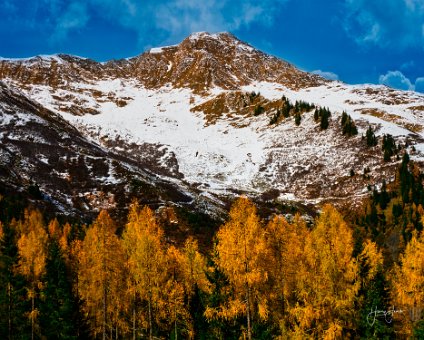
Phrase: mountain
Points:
(198, 121)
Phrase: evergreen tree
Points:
(348, 125)
(375, 293)
(389, 147)
(370, 137)
(13, 291)
(259, 109)
(344, 118)
(59, 309)
(316, 115)
(297, 118)
(324, 115)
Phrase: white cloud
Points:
(157, 22)
(74, 17)
(386, 23)
(419, 84)
(326, 74)
(397, 80)
(407, 65)
(177, 19)
(168, 20)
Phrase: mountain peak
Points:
(204, 34)
(220, 40)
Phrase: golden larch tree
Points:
(32, 251)
(286, 242)
(187, 268)
(101, 274)
(408, 284)
(146, 260)
(327, 282)
(242, 255)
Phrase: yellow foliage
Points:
(54, 229)
(146, 260)
(32, 251)
(408, 283)
(372, 259)
(243, 255)
(326, 280)
(32, 247)
(286, 243)
(101, 276)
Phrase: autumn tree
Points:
(188, 268)
(408, 284)
(101, 278)
(146, 259)
(327, 283)
(286, 242)
(242, 255)
(32, 249)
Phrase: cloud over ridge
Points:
(385, 23)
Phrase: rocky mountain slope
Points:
(204, 115)
(47, 160)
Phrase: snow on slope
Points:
(225, 156)
(239, 152)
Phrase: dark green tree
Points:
(297, 118)
(389, 147)
(14, 323)
(259, 109)
(59, 310)
(348, 125)
(376, 297)
(370, 137)
(324, 116)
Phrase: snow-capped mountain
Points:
(205, 115)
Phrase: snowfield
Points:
(239, 152)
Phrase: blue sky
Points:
(356, 41)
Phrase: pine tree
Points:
(59, 309)
(297, 118)
(370, 137)
(375, 294)
(389, 147)
(324, 115)
(13, 291)
(348, 125)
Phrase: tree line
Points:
(263, 279)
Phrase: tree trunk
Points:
(150, 318)
(134, 321)
(104, 314)
(9, 295)
(249, 329)
(175, 316)
(246, 271)
(32, 315)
